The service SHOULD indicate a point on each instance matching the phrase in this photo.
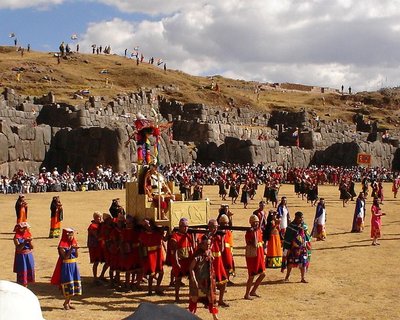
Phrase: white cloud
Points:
(326, 43)
(153, 7)
(116, 33)
(21, 4)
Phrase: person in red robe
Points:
(217, 247)
(96, 252)
(105, 240)
(153, 258)
(182, 248)
(254, 258)
(227, 253)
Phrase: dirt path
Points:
(348, 278)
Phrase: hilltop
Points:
(110, 75)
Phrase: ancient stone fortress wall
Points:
(38, 131)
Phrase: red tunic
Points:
(152, 252)
(114, 248)
(227, 254)
(254, 252)
(126, 257)
(183, 242)
(218, 265)
(105, 232)
(94, 243)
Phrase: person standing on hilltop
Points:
(62, 48)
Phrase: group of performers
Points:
(137, 251)
(140, 250)
(66, 274)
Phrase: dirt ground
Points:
(348, 278)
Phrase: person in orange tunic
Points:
(21, 209)
(217, 246)
(182, 248)
(57, 215)
(272, 237)
(153, 258)
(227, 253)
(254, 258)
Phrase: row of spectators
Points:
(54, 181)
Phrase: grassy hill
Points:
(110, 75)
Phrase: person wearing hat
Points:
(115, 208)
(157, 191)
(24, 264)
(296, 247)
(66, 273)
(255, 261)
(21, 209)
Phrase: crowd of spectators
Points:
(102, 178)
(213, 173)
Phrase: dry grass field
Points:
(41, 74)
(348, 278)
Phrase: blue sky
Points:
(45, 28)
(317, 42)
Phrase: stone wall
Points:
(38, 132)
(200, 113)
